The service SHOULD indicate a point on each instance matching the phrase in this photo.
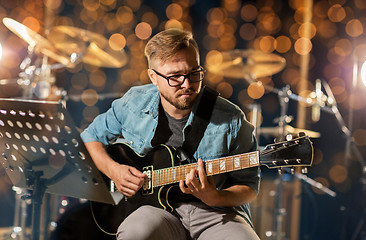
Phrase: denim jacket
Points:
(133, 119)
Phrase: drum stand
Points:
(283, 120)
(284, 95)
(41, 150)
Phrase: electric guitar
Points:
(163, 172)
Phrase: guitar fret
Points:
(174, 174)
(236, 163)
(253, 159)
(215, 167)
(153, 179)
(156, 179)
(166, 179)
(163, 173)
(180, 173)
(212, 167)
(243, 162)
(209, 167)
(229, 165)
(161, 177)
(222, 165)
(168, 175)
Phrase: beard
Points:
(180, 102)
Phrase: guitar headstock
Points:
(292, 152)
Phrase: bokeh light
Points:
(336, 13)
(249, 12)
(143, 30)
(225, 89)
(256, 90)
(354, 28)
(363, 73)
(303, 46)
(338, 173)
(117, 41)
(329, 36)
(174, 11)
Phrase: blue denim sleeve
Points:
(106, 127)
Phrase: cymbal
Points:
(36, 41)
(245, 63)
(104, 57)
(91, 48)
(276, 131)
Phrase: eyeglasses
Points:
(177, 80)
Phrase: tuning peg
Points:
(280, 171)
(304, 170)
(292, 171)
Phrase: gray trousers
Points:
(190, 221)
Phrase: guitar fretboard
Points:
(213, 167)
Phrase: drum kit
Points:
(67, 46)
(251, 65)
(63, 48)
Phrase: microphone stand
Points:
(280, 211)
(284, 96)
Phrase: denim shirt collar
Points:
(152, 108)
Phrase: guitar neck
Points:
(172, 175)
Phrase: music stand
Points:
(41, 150)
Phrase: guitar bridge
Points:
(147, 187)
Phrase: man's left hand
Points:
(200, 185)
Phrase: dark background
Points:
(321, 216)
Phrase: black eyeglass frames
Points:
(178, 79)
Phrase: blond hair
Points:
(167, 43)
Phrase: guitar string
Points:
(165, 176)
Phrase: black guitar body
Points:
(162, 165)
(160, 157)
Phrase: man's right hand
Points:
(127, 179)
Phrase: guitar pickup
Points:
(147, 187)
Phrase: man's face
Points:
(181, 97)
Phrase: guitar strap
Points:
(202, 115)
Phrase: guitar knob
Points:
(301, 134)
(292, 171)
(280, 171)
(289, 137)
(304, 170)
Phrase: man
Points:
(161, 113)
